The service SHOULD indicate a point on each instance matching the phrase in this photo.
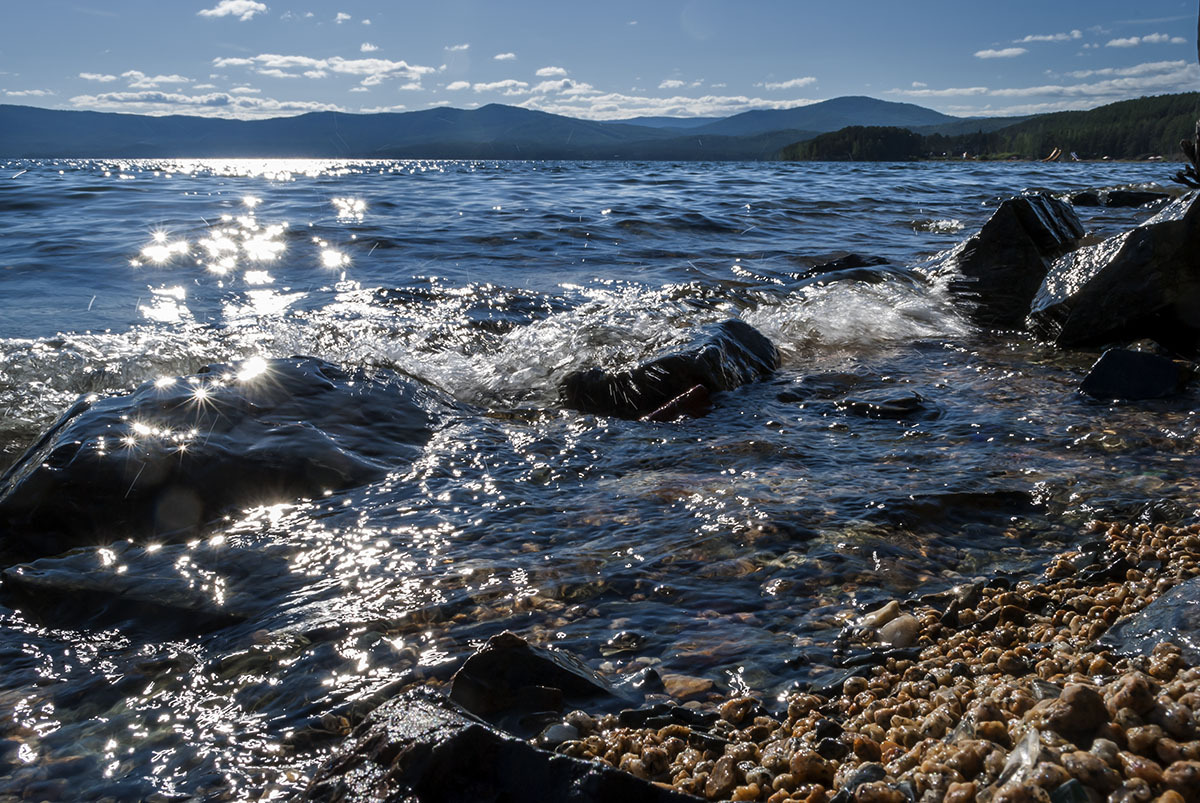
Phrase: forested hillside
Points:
(1129, 129)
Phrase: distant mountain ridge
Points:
(491, 132)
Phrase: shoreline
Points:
(1010, 699)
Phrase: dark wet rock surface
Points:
(512, 683)
(1174, 617)
(1126, 374)
(1144, 283)
(723, 357)
(890, 404)
(1117, 199)
(421, 748)
(177, 452)
(1000, 269)
(191, 588)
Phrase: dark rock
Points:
(843, 261)
(731, 354)
(1123, 198)
(891, 404)
(1174, 617)
(1000, 269)
(1124, 374)
(508, 681)
(420, 748)
(173, 455)
(1144, 283)
(1087, 198)
(821, 386)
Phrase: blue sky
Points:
(606, 60)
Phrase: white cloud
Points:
(1004, 53)
(213, 104)
(720, 85)
(1156, 39)
(367, 47)
(584, 102)
(372, 71)
(671, 83)
(457, 48)
(242, 9)
(919, 84)
(366, 22)
(244, 90)
(28, 93)
(399, 107)
(359, 89)
(505, 57)
(1158, 77)
(509, 86)
(551, 72)
(341, 17)
(139, 80)
(1050, 37)
(94, 76)
(455, 86)
(1130, 41)
(793, 83)
(204, 86)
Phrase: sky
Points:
(594, 60)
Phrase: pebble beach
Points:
(1011, 698)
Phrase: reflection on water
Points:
(719, 548)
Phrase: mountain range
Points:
(490, 132)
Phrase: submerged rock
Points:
(1124, 198)
(889, 403)
(730, 354)
(1144, 283)
(1000, 269)
(420, 748)
(176, 453)
(189, 587)
(1125, 374)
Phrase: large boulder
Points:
(1000, 269)
(728, 355)
(177, 452)
(419, 747)
(1143, 283)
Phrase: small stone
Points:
(723, 779)
(901, 631)
(1133, 691)
(960, 793)
(1079, 710)
(683, 686)
(735, 710)
(878, 792)
(1090, 770)
(1184, 777)
(881, 616)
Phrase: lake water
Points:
(720, 548)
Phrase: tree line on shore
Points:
(1131, 129)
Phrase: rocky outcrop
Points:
(730, 354)
(1126, 374)
(1144, 283)
(177, 452)
(1000, 269)
(419, 747)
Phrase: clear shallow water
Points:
(727, 545)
